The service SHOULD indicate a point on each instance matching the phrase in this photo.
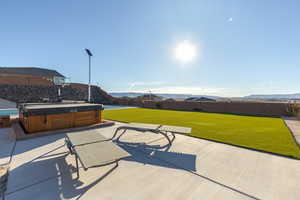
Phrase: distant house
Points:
(151, 97)
(199, 99)
(170, 100)
(29, 76)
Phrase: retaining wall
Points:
(244, 108)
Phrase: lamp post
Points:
(89, 89)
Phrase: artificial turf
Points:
(260, 133)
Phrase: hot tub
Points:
(46, 117)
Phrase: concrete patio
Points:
(41, 168)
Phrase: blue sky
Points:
(243, 47)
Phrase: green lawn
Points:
(262, 133)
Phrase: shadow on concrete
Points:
(171, 160)
(154, 156)
(157, 154)
(56, 173)
(6, 146)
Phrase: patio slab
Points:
(41, 168)
(257, 174)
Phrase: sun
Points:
(185, 51)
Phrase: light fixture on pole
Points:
(89, 89)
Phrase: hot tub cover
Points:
(49, 109)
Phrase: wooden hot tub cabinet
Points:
(46, 117)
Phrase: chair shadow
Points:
(155, 155)
(54, 170)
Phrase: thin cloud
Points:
(138, 84)
(155, 87)
(230, 19)
(184, 90)
(187, 90)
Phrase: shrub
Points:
(197, 109)
(294, 110)
(158, 105)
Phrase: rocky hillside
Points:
(30, 93)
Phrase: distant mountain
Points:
(125, 94)
(165, 96)
(185, 96)
(199, 99)
(274, 96)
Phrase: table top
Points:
(154, 127)
(176, 129)
(142, 126)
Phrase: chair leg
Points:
(76, 158)
(2, 195)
